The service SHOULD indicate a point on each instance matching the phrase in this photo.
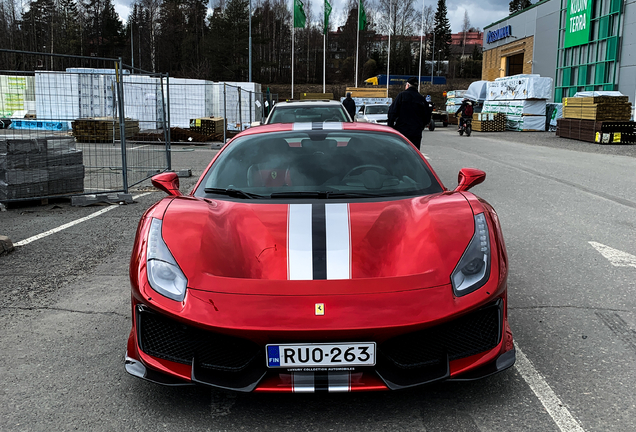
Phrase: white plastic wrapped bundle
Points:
(516, 107)
(525, 123)
(519, 87)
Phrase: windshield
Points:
(319, 164)
(377, 109)
(296, 114)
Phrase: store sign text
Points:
(501, 33)
(577, 30)
(578, 16)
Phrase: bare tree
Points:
(465, 29)
(153, 9)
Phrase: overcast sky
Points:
(481, 13)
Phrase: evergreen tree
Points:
(442, 32)
(170, 37)
(227, 47)
(68, 28)
(518, 5)
(37, 24)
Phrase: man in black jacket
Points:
(350, 106)
(408, 113)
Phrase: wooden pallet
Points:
(102, 129)
(581, 101)
(367, 92)
(601, 132)
(489, 122)
(601, 111)
(316, 96)
(208, 125)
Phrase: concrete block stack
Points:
(522, 98)
(33, 168)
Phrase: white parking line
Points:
(616, 257)
(557, 410)
(70, 224)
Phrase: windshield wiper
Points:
(321, 194)
(236, 193)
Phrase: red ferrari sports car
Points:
(319, 257)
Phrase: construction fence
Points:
(60, 128)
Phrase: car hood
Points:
(229, 246)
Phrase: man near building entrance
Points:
(350, 106)
(408, 113)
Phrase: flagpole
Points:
(292, 77)
(388, 55)
(419, 73)
(324, 61)
(357, 43)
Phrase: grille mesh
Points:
(463, 337)
(170, 340)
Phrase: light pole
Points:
(433, 58)
(388, 55)
(439, 60)
(250, 43)
(132, 50)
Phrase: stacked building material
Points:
(454, 99)
(601, 132)
(522, 98)
(65, 166)
(33, 168)
(489, 122)
(209, 126)
(23, 171)
(17, 93)
(616, 108)
(102, 129)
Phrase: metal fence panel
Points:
(60, 133)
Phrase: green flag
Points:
(327, 13)
(299, 14)
(362, 18)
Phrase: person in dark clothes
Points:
(350, 106)
(408, 113)
(466, 108)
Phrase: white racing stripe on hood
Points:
(317, 126)
(299, 244)
(338, 241)
(302, 250)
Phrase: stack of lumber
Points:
(316, 96)
(489, 122)
(617, 108)
(102, 129)
(601, 132)
(209, 126)
(368, 92)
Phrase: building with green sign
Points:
(584, 45)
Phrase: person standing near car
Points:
(350, 106)
(409, 112)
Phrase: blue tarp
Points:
(40, 125)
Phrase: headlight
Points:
(372, 121)
(164, 273)
(473, 269)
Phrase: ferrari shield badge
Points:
(274, 174)
(320, 308)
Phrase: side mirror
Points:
(167, 182)
(469, 177)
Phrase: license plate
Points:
(332, 355)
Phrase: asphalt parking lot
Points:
(66, 315)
